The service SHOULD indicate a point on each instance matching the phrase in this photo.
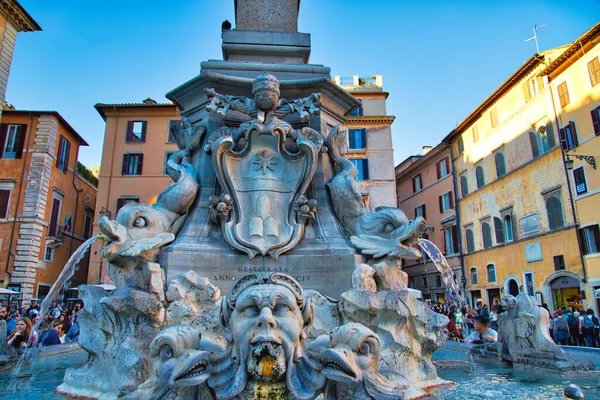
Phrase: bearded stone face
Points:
(266, 99)
(266, 325)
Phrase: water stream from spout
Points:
(56, 291)
(442, 265)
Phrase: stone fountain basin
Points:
(473, 380)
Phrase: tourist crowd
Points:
(567, 326)
(58, 325)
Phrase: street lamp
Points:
(588, 159)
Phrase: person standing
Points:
(588, 324)
(561, 329)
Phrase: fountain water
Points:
(62, 282)
(441, 264)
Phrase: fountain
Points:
(259, 273)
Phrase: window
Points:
(508, 228)
(596, 120)
(420, 211)
(356, 112)
(88, 224)
(487, 235)
(49, 254)
(42, 292)
(494, 117)
(136, 132)
(132, 164)
(446, 202)
(555, 214)
(12, 140)
(124, 200)
(363, 169)
(438, 281)
(168, 155)
(4, 201)
(443, 168)
(479, 176)
(542, 140)
(473, 276)
(499, 230)
(62, 157)
(579, 178)
(500, 164)
(460, 145)
(475, 131)
(54, 215)
(559, 263)
(529, 289)
(491, 273)
(563, 95)
(464, 185)
(568, 136)
(532, 87)
(357, 138)
(470, 240)
(451, 240)
(590, 239)
(425, 282)
(172, 123)
(594, 71)
(417, 184)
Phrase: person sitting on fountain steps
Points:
(483, 333)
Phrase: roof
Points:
(19, 16)
(421, 159)
(575, 47)
(527, 67)
(101, 106)
(63, 121)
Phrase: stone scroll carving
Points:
(385, 232)
(264, 209)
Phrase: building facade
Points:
(370, 140)
(46, 207)
(575, 88)
(137, 143)
(518, 224)
(425, 188)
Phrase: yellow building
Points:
(575, 88)
(519, 231)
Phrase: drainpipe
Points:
(458, 225)
(23, 173)
(77, 191)
(573, 206)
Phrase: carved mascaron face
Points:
(266, 325)
(266, 92)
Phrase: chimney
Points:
(426, 149)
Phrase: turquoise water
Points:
(474, 381)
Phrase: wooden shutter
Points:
(443, 241)
(129, 133)
(526, 91)
(120, 203)
(455, 239)
(20, 142)
(4, 199)
(540, 83)
(59, 153)
(141, 163)
(414, 186)
(424, 211)
(67, 152)
(3, 130)
(451, 200)
(573, 133)
(438, 169)
(144, 126)
(596, 231)
(470, 241)
(487, 235)
(500, 167)
(352, 138)
(441, 204)
(125, 166)
(550, 135)
(534, 144)
(596, 120)
(563, 139)
(464, 185)
(499, 228)
(52, 229)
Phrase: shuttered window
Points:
(446, 202)
(62, 156)
(4, 202)
(568, 136)
(563, 95)
(579, 178)
(491, 273)
(594, 71)
(494, 117)
(475, 130)
(464, 185)
(474, 276)
(509, 228)
(132, 164)
(479, 176)
(487, 235)
(555, 213)
(122, 201)
(362, 166)
(357, 138)
(499, 230)
(500, 164)
(172, 123)
(460, 145)
(596, 120)
(12, 139)
(442, 168)
(136, 132)
(470, 240)
(417, 183)
(590, 239)
(54, 215)
(421, 212)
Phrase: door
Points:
(492, 294)
(513, 287)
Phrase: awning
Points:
(7, 291)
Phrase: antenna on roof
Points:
(534, 37)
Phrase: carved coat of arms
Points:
(264, 208)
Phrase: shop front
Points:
(565, 291)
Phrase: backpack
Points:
(595, 321)
(561, 324)
(587, 323)
(573, 322)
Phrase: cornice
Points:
(17, 15)
(372, 119)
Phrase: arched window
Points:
(470, 240)
(491, 273)
(499, 229)
(500, 164)
(479, 176)
(508, 228)
(473, 276)
(464, 185)
(487, 235)
(555, 214)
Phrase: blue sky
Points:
(439, 59)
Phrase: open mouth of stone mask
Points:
(267, 362)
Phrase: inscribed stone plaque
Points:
(533, 252)
(530, 224)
